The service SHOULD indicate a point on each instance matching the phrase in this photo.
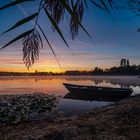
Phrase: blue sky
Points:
(114, 37)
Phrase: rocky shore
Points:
(120, 121)
(26, 107)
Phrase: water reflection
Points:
(54, 85)
(70, 106)
(92, 97)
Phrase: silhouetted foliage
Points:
(55, 10)
(32, 44)
(127, 70)
(134, 5)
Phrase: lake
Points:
(54, 85)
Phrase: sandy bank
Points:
(120, 121)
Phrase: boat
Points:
(97, 91)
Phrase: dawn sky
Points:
(114, 37)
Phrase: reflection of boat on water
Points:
(94, 92)
(91, 97)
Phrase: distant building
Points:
(124, 62)
(127, 62)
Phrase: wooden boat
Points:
(98, 91)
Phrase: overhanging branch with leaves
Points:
(55, 10)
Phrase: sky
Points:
(114, 37)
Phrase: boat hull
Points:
(98, 91)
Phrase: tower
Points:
(124, 62)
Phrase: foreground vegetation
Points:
(19, 108)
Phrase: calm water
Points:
(53, 85)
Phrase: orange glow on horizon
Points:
(49, 70)
(50, 65)
(54, 70)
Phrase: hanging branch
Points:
(38, 13)
(32, 44)
(54, 10)
(49, 44)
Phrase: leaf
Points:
(67, 7)
(75, 5)
(85, 2)
(111, 2)
(17, 38)
(14, 3)
(96, 4)
(21, 22)
(103, 3)
(49, 45)
(56, 26)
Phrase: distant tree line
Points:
(29, 74)
(121, 70)
(125, 70)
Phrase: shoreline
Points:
(135, 75)
(70, 76)
(119, 121)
